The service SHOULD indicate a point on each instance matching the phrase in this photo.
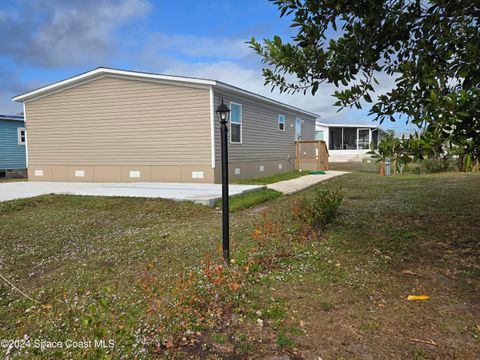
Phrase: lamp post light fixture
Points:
(223, 113)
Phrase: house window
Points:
(281, 122)
(21, 136)
(298, 129)
(236, 123)
(319, 135)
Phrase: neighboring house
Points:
(109, 125)
(12, 147)
(348, 142)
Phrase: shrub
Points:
(437, 165)
(319, 209)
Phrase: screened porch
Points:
(351, 138)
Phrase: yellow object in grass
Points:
(418, 297)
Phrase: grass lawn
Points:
(272, 179)
(250, 198)
(12, 180)
(342, 296)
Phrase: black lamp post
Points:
(223, 113)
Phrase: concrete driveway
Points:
(206, 194)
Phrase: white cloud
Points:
(67, 33)
(199, 46)
(233, 62)
(250, 79)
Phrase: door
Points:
(363, 138)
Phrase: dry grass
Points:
(342, 296)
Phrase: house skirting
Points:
(122, 173)
(157, 173)
(13, 173)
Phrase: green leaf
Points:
(367, 98)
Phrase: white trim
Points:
(264, 98)
(97, 71)
(241, 123)
(26, 140)
(348, 125)
(284, 122)
(212, 126)
(358, 136)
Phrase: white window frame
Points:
(19, 135)
(284, 122)
(241, 123)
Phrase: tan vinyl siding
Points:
(261, 139)
(118, 121)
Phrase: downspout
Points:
(26, 134)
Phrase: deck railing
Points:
(311, 155)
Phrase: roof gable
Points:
(101, 71)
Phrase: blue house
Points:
(13, 163)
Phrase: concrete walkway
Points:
(206, 194)
(303, 182)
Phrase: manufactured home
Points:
(110, 125)
(12, 147)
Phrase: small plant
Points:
(421, 355)
(326, 306)
(475, 330)
(274, 311)
(297, 331)
(283, 340)
(319, 210)
(219, 338)
(244, 345)
(272, 243)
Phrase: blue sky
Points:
(42, 41)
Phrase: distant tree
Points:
(395, 149)
(430, 47)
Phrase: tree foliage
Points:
(399, 151)
(430, 47)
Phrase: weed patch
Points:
(283, 341)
